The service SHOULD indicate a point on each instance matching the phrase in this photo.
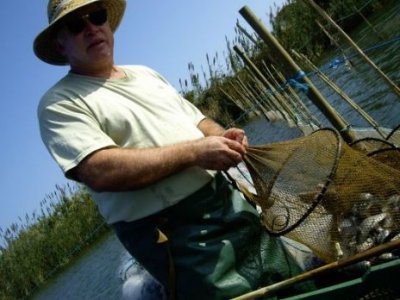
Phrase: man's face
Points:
(89, 48)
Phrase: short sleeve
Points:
(70, 133)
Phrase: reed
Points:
(45, 243)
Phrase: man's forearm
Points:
(209, 127)
(120, 169)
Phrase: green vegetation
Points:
(43, 244)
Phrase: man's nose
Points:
(90, 27)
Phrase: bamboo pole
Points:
(232, 99)
(391, 84)
(257, 73)
(272, 95)
(269, 100)
(341, 93)
(244, 97)
(253, 96)
(368, 22)
(315, 96)
(238, 104)
(274, 106)
(256, 94)
(321, 270)
(243, 93)
(303, 108)
(332, 39)
(301, 112)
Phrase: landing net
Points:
(319, 191)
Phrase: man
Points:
(151, 161)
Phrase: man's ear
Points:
(58, 42)
(59, 46)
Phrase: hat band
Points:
(66, 5)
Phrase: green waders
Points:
(209, 246)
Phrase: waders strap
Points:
(162, 238)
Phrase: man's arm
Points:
(209, 128)
(120, 169)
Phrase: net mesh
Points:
(394, 135)
(319, 191)
(384, 151)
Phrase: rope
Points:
(337, 62)
(293, 81)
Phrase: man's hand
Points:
(218, 153)
(211, 128)
(238, 135)
(222, 148)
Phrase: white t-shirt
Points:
(82, 114)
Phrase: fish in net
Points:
(319, 191)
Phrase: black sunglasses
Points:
(76, 25)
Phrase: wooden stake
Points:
(253, 97)
(321, 270)
(259, 76)
(318, 99)
(368, 22)
(294, 101)
(248, 35)
(304, 109)
(341, 93)
(391, 84)
(243, 97)
(332, 39)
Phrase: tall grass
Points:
(42, 245)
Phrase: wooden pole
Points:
(258, 75)
(368, 22)
(332, 39)
(391, 84)
(270, 100)
(244, 98)
(253, 96)
(294, 94)
(321, 270)
(293, 99)
(341, 93)
(236, 102)
(315, 96)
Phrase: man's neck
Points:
(111, 72)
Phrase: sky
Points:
(164, 35)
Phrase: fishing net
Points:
(379, 149)
(394, 136)
(319, 191)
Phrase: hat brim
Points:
(45, 45)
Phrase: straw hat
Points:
(44, 45)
